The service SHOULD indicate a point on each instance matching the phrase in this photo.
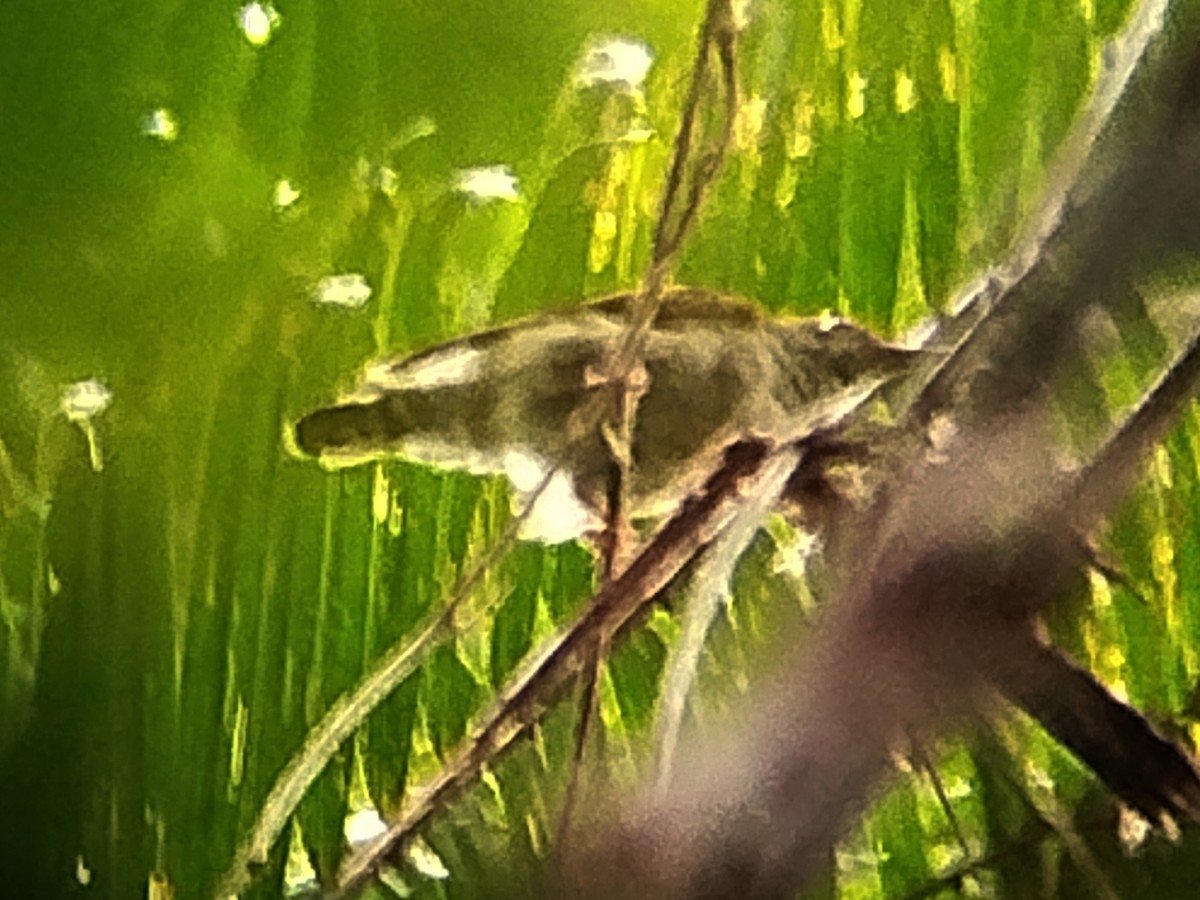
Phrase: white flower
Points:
(490, 183)
(257, 22)
(621, 61)
(86, 399)
(160, 123)
(350, 290)
(286, 194)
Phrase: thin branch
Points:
(683, 195)
(348, 713)
(1042, 831)
(923, 762)
(1050, 810)
(694, 167)
(700, 519)
(686, 183)
(588, 714)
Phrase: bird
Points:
(503, 401)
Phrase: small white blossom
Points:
(490, 183)
(286, 194)
(349, 290)
(86, 399)
(160, 123)
(257, 22)
(620, 61)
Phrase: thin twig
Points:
(718, 33)
(1043, 831)
(351, 709)
(1049, 810)
(687, 181)
(921, 757)
(685, 190)
(699, 520)
(588, 713)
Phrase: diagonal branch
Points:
(695, 164)
(616, 605)
(693, 167)
(684, 193)
(351, 710)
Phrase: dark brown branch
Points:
(352, 708)
(936, 597)
(693, 168)
(588, 716)
(1144, 769)
(698, 521)
(684, 195)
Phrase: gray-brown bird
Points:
(507, 400)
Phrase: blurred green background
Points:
(180, 599)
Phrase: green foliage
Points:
(180, 599)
